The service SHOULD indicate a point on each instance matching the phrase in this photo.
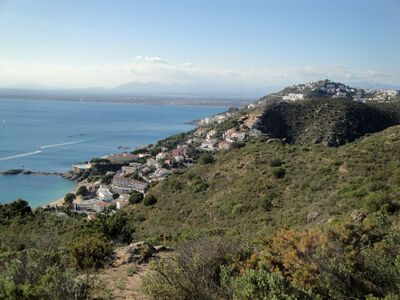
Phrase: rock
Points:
(357, 216)
(12, 172)
(140, 252)
(312, 216)
(162, 248)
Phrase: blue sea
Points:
(51, 136)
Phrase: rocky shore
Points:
(10, 172)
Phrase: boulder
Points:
(312, 216)
(357, 216)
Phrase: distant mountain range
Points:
(150, 92)
(207, 93)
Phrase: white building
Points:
(293, 97)
(161, 156)
(104, 194)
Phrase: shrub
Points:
(41, 275)
(118, 227)
(90, 251)
(278, 172)
(106, 179)
(260, 284)
(276, 162)
(150, 200)
(193, 272)
(206, 158)
(135, 197)
(374, 201)
(18, 208)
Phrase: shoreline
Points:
(211, 103)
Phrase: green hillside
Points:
(266, 185)
(329, 122)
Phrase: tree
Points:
(69, 199)
(278, 172)
(90, 251)
(82, 191)
(135, 197)
(150, 200)
(206, 158)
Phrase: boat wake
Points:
(59, 145)
(20, 155)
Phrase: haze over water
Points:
(51, 136)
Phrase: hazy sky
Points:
(84, 43)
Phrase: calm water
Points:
(53, 135)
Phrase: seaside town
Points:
(113, 181)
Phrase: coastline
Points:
(46, 188)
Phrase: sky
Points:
(249, 43)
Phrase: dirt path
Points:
(123, 280)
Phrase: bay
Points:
(51, 136)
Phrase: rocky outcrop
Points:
(12, 172)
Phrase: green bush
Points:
(90, 251)
(375, 200)
(135, 197)
(206, 158)
(15, 209)
(150, 200)
(41, 275)
(82, 191)
(193, 272)
(278, 172)
(260, 284)
(276, 162)
(69, 199)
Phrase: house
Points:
(128, 170)
(82, 167)
(179, 158)
(224, 145)
(126, 185)
(233, 135)
(211, 134)
(92, 205)
(209, 145)
(151, 162)
(178, 151)
(161, 156)
(121, 203)
(160, 173)
(104, 194)
(101, 205)
(200, 132)
(293, 97)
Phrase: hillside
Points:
(292, 200)
(328, 89)
(329, 122)
(266, 185)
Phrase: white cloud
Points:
(156, 69)
(151, 59)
